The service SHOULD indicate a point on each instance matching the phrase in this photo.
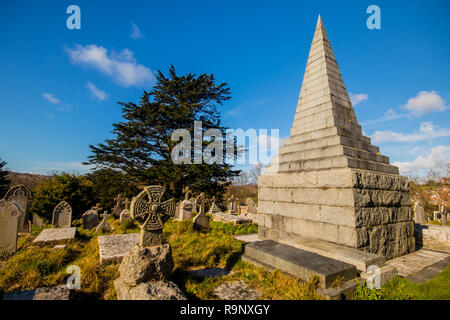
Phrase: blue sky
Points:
(59, 87)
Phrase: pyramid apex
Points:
(319, 22)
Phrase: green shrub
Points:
(77, 190)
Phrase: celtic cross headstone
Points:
(148, 209)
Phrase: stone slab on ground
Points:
(412, 263)
(210, 272)
(344, 292)
(49, 293)
(353, 256)
(247, 237)
(297, 262)
(54, 235)
(115, 247)
(236, 290)
(430, 272)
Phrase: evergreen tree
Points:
(4, 180)
(142, 144)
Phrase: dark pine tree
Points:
(142, 146)
(4, 180)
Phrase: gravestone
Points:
(148, 209)
(9, 225)
(90, 219)
(97, 208)
(443, 214)
(147, 264)
(328, 182)
(214, 207)
(186, 207)
(231, 205)
(104, 226)
(119, 206)
(252, 209)
(55, 235)
(21, 195)
(419, 213)
(62, 215)
(38, 221)
(201, 221)
(125, 214)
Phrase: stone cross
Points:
(151, 213)
(97, 207)
(119, 206)
(104, 226)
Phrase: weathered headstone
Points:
(9, 224)
(55, 235)
(125, 214)
(119, 206)
(231, 205)
(252, 209)
(214, 208)
(62, 215)
(443, 214)
(90, 219)
(148, 209)
(328, 182)
(201, 221)
(419, 213)
(21, 195)
(149, 262)
(97, 208)
(104, 226)
(38, 221)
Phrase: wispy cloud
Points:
(51, 98)
(425, 102)
(122, 67)
(358, 98)
(59, 166)
(426, 131)
(135, 32)
(96, 92)
(249, 105)
(436, 159)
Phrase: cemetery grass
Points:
(402, 289)
(32, 267)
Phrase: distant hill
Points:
(27, 179)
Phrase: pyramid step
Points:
(358, 258)
(334, 163)
(300, 263)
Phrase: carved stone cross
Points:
(148, 210)
(97, 208)
(119, 200)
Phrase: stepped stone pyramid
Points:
(328, 181)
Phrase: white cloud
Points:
(51, 98)
(246, 106)
(437, 159)
(135, 32)
(425, 102)
(59, 166)
(426, 131)
(358, 98)
(96, 92)
(122, 67)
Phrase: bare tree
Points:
(255, 171)
(242, 179)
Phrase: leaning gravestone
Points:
(201, 221)
(90, 219)
(9, 223)
(252, 209)
(62, 215)
(22, 196)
